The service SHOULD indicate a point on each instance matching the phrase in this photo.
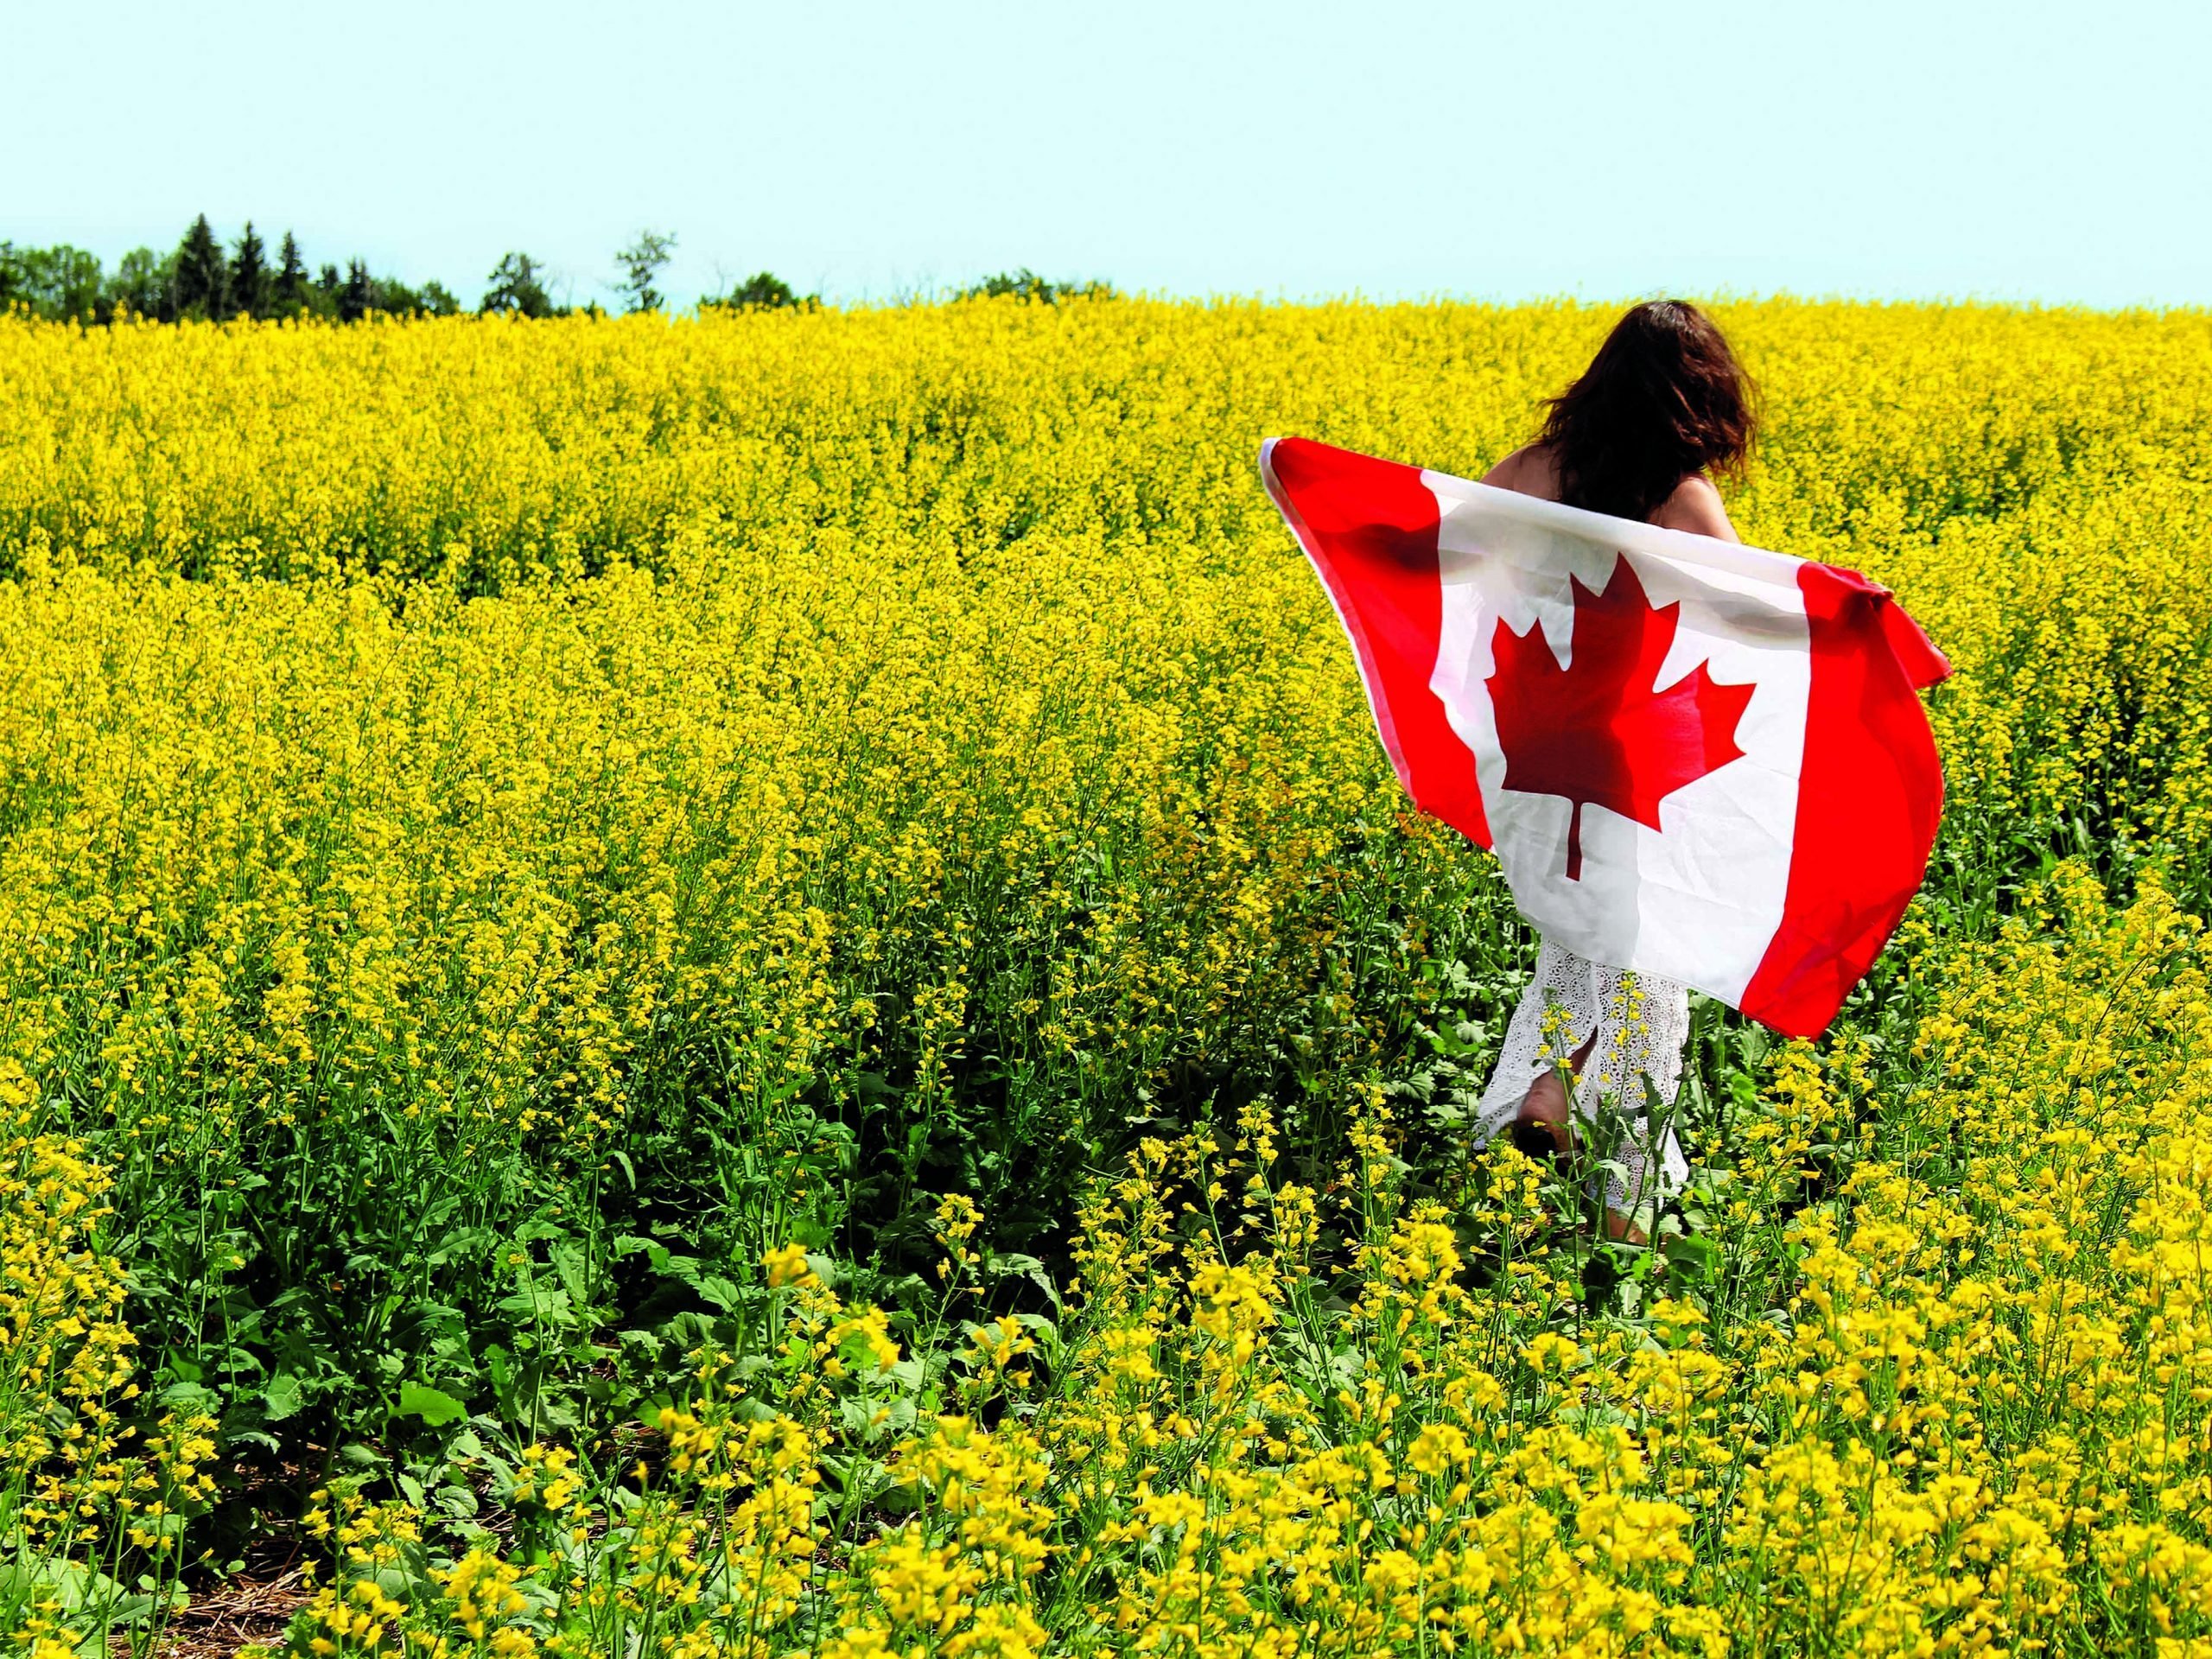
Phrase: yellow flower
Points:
(787, 1265)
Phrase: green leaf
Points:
(719, 1292)
(434, 1408)
(282, 1397)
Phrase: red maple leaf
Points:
(1599, 731)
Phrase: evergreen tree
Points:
(356, 299)
(199, 279)
(203, 277)
(251, 290)
(517, 285)
(289, 291)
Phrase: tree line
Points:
(203, 279)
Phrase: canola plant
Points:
(753, 984)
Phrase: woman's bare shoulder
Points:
(1696, 506)
(1531, 470)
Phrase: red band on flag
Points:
(1370, 528)
(1916, 652)
(1870, 796)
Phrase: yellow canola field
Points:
(1978, 1424)
(2024, 476)
(899, 749)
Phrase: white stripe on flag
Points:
(1701, 905)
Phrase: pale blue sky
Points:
(2019, 149)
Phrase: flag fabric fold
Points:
(1695, 760)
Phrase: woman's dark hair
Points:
(1664, 397)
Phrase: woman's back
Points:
(1694, 506)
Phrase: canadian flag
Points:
(1694, 759)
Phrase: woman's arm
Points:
(1696, 507)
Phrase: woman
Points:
(1663, 404)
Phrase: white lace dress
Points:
(1642, 1024)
